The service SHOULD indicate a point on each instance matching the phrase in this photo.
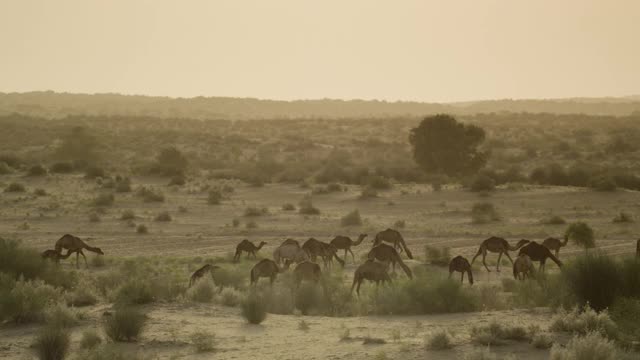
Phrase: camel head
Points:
(522, 243)
(99, 251)
(362, 236)
(262, 243)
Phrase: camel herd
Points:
(374, 268)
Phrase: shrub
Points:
(203, 341)
(481, 354)
(52, 343)
(581, 234)
(90, 339)
(251, 225)
(592, 346)
(177, 180)
(623, 218)
(15, 187)
(229, 277)
(106, 199)
(603, 183)
(593, 279)
(254, 310)
(254, 211)
(5, 169)
(170, 161)
(142, 229)
(541, 341)
(94, 217)
(368, 193)
(378, 183)
(40, 192)
(203, 291)
(307, 208)
(553, 220)
(483, 213)
(126, 324)
(288, 207)
(625, 312)
(61, 315)
(16, 262)
(149, 195)
(439, 341)
(400, 224)
(230, 297)
(307, 298)
(84, 293)
(27, 301)
(496, 334)
(128, 215)
(163, 217)
(482, 183)
(37, 170)
(62, 168)
(135, 291)
(351, 219)
(214, 197)
(438, 256)
(93, 172)
(584, 321)
(303, 325)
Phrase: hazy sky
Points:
(409, 50)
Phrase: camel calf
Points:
(523, 267)
(462, 265)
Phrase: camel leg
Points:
(477, 254)
(557, 252)
(77, 259)
(352, 256)
(509, 256)
(484, 258)
(498, 264)
(85, 259)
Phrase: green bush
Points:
(203, 291)
(378, 182)
(17, 262)
(541, 341)
(496, 334)
(351, 219)
(5, 169)
(584, 321)
(177, 180)
(592, 346)
(90, 339)
(625, 312)
(230, 297)
(60, 315)
(93, 172)
(125, 324)
(254, 310)
(203, 341)
(170, 162)
(603, 183)
(102, 200)
(483, 213)
(94, 217)
(52, 343)
(15, 187)
(40, 192)
(84, 293)
(288, 207)
(629, 270)
(26, 301)
(594, 279)
(440, 340)
(135, 291)
(230, 277)
(368, 193)
(581, 234)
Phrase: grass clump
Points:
(553, 220)
(622, 218)
(307, 298)
(254, 211)
(230, 297)
(126, 324)
(581, 234)
(584, 321)
(136, 291)
(128, 215)
(307, 208)
(104, 200)
(142, 229)
(203, 341)
(497, 334)
(288, 207)
(15, 187)
(351, 219)
(203, 291)
(163, 217)
(90, 339)
(61, 315)
(214, 197)
(37, 170)
(592, 346)
(541, 341)
(593, 279)
(437, 256)
(52, 343)
(484, 213)
(440, 340)
(303, 325)
(25, 301)
(149, 195)
(254, 310)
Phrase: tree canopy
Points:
(443, 145)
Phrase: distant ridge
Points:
(50, 104)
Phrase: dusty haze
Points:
(416, 50)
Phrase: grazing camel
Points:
(264, 268)
(345, 243)
(497, 245)
(53, 255)
(523, 267)
(198, 274)
(74, 244)
(371, 270)
(554, 244)
(388, 254)
(393, 237)
(537, 252)
(327, 252)
(461, 265)
(306, 270)
(289, 253)
(248, 247)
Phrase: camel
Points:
(248, 247)
(393, 237)
(74, 244)
(537, 252)
(497, 245)
(388, 254)
(327, 252)
(53, 255)
(289, 253)
(554, 244)
(523, 267)
(198, 274)
(306, 270)
(371, 270)
(461, 264)
(264, 268)
(345, 243)
(290, 241)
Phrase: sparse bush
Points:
(149, 195)
(288, 207)
(177, 180)
(93, 172)
(94, 217)
(61, 168)
(170, 162)
(203, 341)
(61, 315)
(26, 301)
(496, 334)
(378, 183)
(90, 339)
(103, 200)
(482, 183)
(126, 324)
(203, 291)
(553, 220)
(303, 325)
(351, 219)
(400, 224)
(480, 354)
(251, 225)
(37, 170)
(584, 321)
(84, 293)
(128, 215)
(52, 343)
(593, 279)
(254, 211)
(307, 208)
(483, 213)
(623, 218)
(40, 192)
(254, 310)
(214, 197)
(142, 229)
(438, 256)
(541, 341)
(135, 291)
(15, 187)
(368, 193)
(307, 298)
(603, 183)
(5, 169)
(16, 262)
(625, 312)
(163, 217)
(440, 340)
(235, 223)
(225, 277)
(592, 346)
(581, 234)
(230, 297)
(123, 185)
